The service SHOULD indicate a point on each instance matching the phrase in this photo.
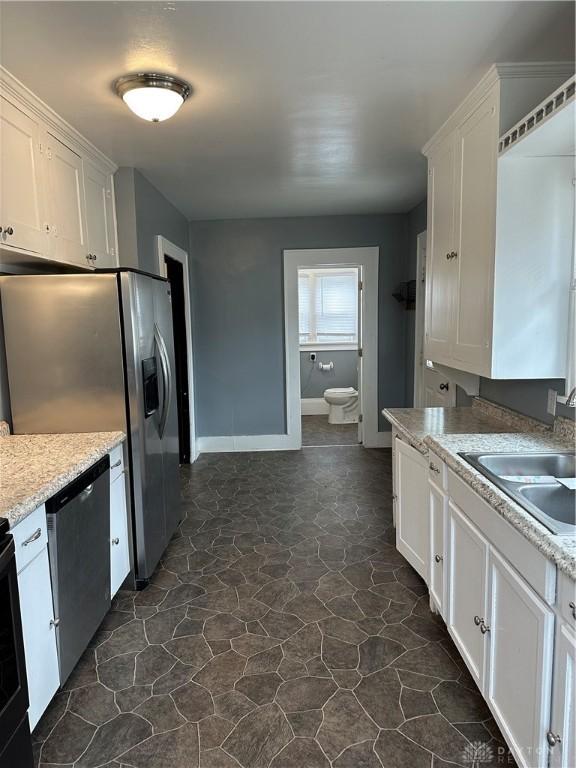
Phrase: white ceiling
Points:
(300, 108)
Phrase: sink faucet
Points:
(571, 399)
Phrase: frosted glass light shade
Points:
(152, 97)
(154, 104)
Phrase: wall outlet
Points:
(551, 407)
(312, 357)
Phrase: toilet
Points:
(343, 405)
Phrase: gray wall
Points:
(143, 213)
(528, 397)
(239, 315)
(313, 381)
(416, 224)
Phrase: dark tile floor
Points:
(317, 431)
(282, 629)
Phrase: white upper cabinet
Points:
(22, 216)
(67, 207)
(487, 266)
(56, 189)
(100, 226)
(440, 275)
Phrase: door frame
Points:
(418, 394)
(368, 259)
(165, 248)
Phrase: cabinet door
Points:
(467, 590)
(99, 215)
(39, 634)
(119, 549)
(475, 238)
(440, 268)
(438, 501)
(21, 181)
(521, 628)
(66, 190)
(412, 517)
(563, 721)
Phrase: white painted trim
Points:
(313, 406)
(383, 440)
(495, 74)
(165, 248)
(14, 89)
(418, 400)
(368, 260)
(241, 443)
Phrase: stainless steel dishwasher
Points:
(79, 552)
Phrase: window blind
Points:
(328, 306)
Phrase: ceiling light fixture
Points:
(151, 96)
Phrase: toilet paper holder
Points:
(326, 366)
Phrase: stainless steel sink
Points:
(532, 480)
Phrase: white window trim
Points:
(312, 274)
(352, 347)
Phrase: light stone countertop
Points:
(559, 549)
(35, 467)
(415, 424)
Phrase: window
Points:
(328, 306)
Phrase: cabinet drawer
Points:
(567, 599)
(116, 462)
(538, 571)
(30, 537)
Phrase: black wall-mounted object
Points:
(405, 293)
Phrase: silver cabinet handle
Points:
(116, 464)
(9, 230)
(116, 541)
(438, 558)
(445, 386)
(434, 468)
(572, 605)
(167, 379)
(477, 620)
(54, 623)
(36, 535)
(553, 739)
(484, 628)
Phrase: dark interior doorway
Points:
(175, 274)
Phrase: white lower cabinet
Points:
(468, 564)
(562, 733)
(520, 627)
(412, 523)
(40, 651)
(496, 593)
(119, 547)
(436, 580)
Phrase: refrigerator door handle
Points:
(166, 379)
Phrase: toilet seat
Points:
(346, 391)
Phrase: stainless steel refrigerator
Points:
(93, 353)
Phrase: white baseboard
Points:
(314, 406)
(381, 440)
(237, 443)
(247, 443)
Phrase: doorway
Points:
(329, 337)
(173, 264)
(336, 262)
